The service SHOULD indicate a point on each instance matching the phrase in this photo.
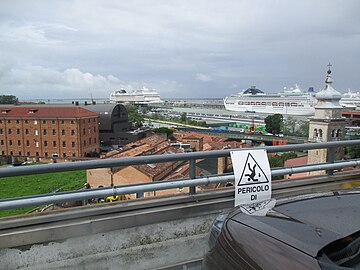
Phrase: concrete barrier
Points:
(143, 234)
(145, 247)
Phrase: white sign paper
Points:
(252, 176)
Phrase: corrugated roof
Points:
(45, 112)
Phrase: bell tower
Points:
(327, 124)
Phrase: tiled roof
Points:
(182, 172)
(132, 152)
(224, 145)
(45, 111)
(158, 145)
(148, 145)
(180, 136)
(158, 168)
(151, 141)
(210, 142)
(193, 136)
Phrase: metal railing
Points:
(140, 189)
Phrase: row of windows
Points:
(36, 132)
(274, 104)
(54, 143)
(46, 121)
(335, 133)
(46, 154)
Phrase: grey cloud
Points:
(203, 77)
(175, 46)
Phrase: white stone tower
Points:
(327, 124)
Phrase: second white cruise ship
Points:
(292, 102)
(142, 96)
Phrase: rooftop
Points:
(45, 111)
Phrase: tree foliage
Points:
(183, 117)
(278, 161)
(168, 131)
(290, 126)
(134, 116)
(190, 122)
(353, 151)
(8, 99)
(303, 129)
(273, 123)
(275, 161)
(294, 127)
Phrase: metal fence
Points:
(140, 189)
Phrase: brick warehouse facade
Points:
(48, 131)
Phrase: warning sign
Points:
(252, 176)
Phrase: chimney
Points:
(85, 103)
(93, 102)
(76, 103)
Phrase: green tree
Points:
(289, 126)
(288, 155)
(183, 117)
(353, 151)
(278, 161)
(8, 99)
(168, 131)
(275, 161)
(273, 123)
(134, 116)
(303, 129)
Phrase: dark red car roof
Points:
(309, 223)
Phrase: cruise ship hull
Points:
(272, 104)
(350, 100)
(143, 96)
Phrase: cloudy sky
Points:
(183, 48)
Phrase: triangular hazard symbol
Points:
(252, 173)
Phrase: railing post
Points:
(192, 174)
(330, 159)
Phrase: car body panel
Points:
(311, 224)
(293, 235)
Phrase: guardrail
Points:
(139, 189)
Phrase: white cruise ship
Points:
(142, 96)
(350, 99)
(289, 102)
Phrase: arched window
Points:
(338, 133)
(315, 133)
(320, 133)
(333, 133)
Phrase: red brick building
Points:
(48, 131)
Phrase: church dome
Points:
(328, 97)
